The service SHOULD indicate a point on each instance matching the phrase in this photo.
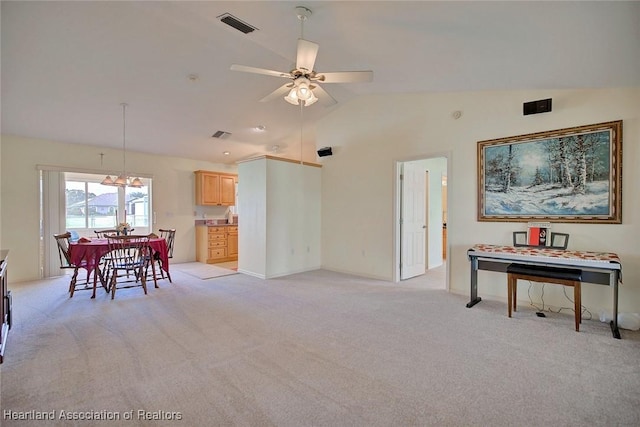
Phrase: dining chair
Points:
(168, 234)
(128, 261)
(62, 241)
(104, 261)
(102, 234)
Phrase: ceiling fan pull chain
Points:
(301, 124)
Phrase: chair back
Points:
(128, 252)
(169, 235)
(62, 240)
(102, 234)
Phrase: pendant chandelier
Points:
(123, 180)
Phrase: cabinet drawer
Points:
(216, 237)
(232, 229)
(217, 243)
(216, 230)
(215, 253)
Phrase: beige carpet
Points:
(312, 349)
(202, 271)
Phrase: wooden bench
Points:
(534, 273)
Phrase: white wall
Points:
(173, 193)
(371, 133)
(252, 228)
(293, 218)
(281, 233)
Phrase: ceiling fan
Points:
(305, 81)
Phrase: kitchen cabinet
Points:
(215, 189)
(216, 243)
(232, 241)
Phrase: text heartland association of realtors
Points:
(140, 414)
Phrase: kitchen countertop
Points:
(212, 223)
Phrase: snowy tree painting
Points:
(567, 175)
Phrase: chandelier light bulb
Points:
(122, 181)
(136, 183)
(107, 180)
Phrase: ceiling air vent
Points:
(234, 22)
(221, 134)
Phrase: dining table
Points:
(89, 253)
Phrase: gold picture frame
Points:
(564, 175)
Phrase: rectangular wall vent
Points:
(234, 22)
(221, 134)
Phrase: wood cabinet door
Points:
(210, 189)
(232, 244)
(215, 189)
(227, 190)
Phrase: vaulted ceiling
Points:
(67, 66)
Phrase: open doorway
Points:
(421, 204)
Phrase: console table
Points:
(5, 306)
(602, 268)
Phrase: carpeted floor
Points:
(311, 349)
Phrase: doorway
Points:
(421, 206)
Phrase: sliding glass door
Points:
(75, 201)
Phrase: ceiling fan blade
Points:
(281, 91)
(323, 96)
(307, 52)
(345, 77)
(255, 70)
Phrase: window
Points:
(90, 205)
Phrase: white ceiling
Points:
(67, 66)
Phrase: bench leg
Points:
(509, 294)
(514, 294)
(577, 298)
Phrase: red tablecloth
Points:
(90, 253)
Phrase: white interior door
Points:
(413, 221)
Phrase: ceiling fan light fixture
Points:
(303, 91)
(304, 74)
(311, 100)
(292, 97)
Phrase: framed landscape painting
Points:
(565, 175)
